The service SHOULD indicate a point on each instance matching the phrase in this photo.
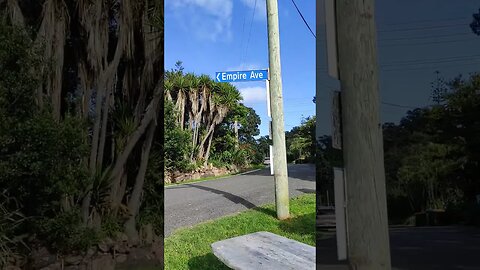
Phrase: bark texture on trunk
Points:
(134, 203)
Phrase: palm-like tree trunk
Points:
(209, 145)
(52, 33)
(134, 203)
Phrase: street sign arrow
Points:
(242, 76)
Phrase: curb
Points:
(220, 177)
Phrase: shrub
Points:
(9, 222)
(178, 142)
(241, 157)
(65, 233)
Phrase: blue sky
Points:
(221, 35)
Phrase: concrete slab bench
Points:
(264, 250)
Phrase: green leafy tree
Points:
(424, 174)
(177, 143)
(301, 141)
(475, 25)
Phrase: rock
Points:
(138, 254)
(121, 248)
(121, 258)
(147, 233)
(82, 266)
(103, 247)
(157, 250)
(55, 266)
(42, 258)
(121, 237)
(106, 244)
(91, 252)
(73, 260)
(12, 267)
(104, 262)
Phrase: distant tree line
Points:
(431, 156)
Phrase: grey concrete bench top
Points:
(264, 250)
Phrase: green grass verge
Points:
(252, 168)
(189, 248)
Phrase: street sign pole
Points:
(271, 159)
(267, 87)
(331, 37)
(340, 217)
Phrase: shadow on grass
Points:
(208, 261)
(302, 225)
(266, 211)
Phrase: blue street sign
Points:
(242, 76)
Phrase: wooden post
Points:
(368, 237)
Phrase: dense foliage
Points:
(80, 95)
(431, 157)
(301, 142)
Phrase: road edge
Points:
(220, 177)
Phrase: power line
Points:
(425, 37)
(436, 59)
(398, 105)
(422, 28)
(431, 68)
(250, 32)
(425, 21)
(301, 15)
(419, 62)
(243, 34)
(426, 43)
(413, 29)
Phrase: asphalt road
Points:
(419, 248)
(190, 204)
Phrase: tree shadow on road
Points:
(229, 196)
(234, 198)
(305, 172)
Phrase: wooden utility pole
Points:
(276, 101)
(362, 144)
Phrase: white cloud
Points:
(260, 9)
(245, 66)
(212, 19)
(218, 8)
(253, 94)
(207, 19)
